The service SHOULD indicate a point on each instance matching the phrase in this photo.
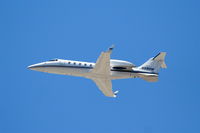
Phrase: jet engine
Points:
(120, 64)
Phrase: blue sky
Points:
(38, 30)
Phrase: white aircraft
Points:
(104, 70)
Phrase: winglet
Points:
(116, 92)
(110, 49)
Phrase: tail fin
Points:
(154, 64)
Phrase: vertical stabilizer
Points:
(154, 64)
(161, 58)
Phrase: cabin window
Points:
(74, 63)
(69, 62)
(90, 65)
(79, 64)
(85, 64)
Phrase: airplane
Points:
(104, 70)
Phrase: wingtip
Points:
(111, 48)
(115, 93)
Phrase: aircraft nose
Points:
(35, 66)
(32, 67)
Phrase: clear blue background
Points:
(38, 30)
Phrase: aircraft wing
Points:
(102, 65)
(105, 86)
(101, 73)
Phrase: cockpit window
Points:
(53, 60)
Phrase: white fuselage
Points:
(104, 70)
(83, 69)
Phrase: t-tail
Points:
(152, 66)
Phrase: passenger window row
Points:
(80, 64)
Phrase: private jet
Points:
(104, 70)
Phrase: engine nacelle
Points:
(120, 64)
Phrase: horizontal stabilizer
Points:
(150, 79)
